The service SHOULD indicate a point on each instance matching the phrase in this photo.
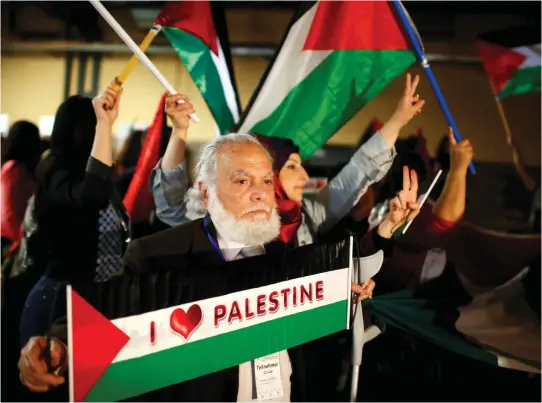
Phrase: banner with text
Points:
(156, 349)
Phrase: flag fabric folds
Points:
(511, 59)
(336, 57)
(197, 32)
(138, 200)
(485, 305)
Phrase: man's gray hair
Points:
(206, 168)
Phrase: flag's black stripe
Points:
(219, 18)
(303, 8)
(513, 37)
(134, 294)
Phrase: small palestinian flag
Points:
(204, 50)
(486, 304)
(336, 57)
(511, 58)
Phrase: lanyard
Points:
(213, 241)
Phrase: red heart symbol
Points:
(184, 323)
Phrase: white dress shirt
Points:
(231, 249)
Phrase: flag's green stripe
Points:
(196, 56)
(524, 81)
(331, 94)
(424, 318)
(154, 371)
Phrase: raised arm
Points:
(450, 206)
(368, 165)
(94, 189)
(169, 179)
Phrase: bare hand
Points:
(33, 368)
(410, 103)
(178, 113)
(364, 290)
(403, 207)
(461, 153)
(106, 105)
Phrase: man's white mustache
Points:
(258, 207)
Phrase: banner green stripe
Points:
(524, 81)
(331, 95)
(196, 56)
(168, 367)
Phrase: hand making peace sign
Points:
(410, 103)
(404, 206)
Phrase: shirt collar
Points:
(229, 248)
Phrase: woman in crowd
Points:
(80, 225)
(21, 156)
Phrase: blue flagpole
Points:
(425, 64)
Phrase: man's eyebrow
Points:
(269, 176)
(235, 174)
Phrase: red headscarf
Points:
(289, 210)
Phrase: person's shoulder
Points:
(178, 238)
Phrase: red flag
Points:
(138, 200)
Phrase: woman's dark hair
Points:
(442, 155)
(73, 133)
(131, 149)
(23, 145)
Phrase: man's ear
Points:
(204, 194)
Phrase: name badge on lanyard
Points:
(266, 378)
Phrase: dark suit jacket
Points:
(189, 246)
(177, 248)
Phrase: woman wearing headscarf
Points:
(81, 227)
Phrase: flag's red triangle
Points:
(355, 25)
(500, 63)
(138, 200)
(194, 17)
(95, 343)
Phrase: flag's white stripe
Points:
(290, 68)
(227, 85)
(336, 284)
(532, 52)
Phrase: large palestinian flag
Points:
(138, 333)
(511, 58)
(197, 32)
(335, 58)
(486, 304)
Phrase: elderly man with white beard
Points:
(234, 177)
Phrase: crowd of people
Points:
(63, 222)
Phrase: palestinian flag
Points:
(486, 304)
(138, 200)
(121, 345)
(203, 47)
(511, 59)
(335, 58)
